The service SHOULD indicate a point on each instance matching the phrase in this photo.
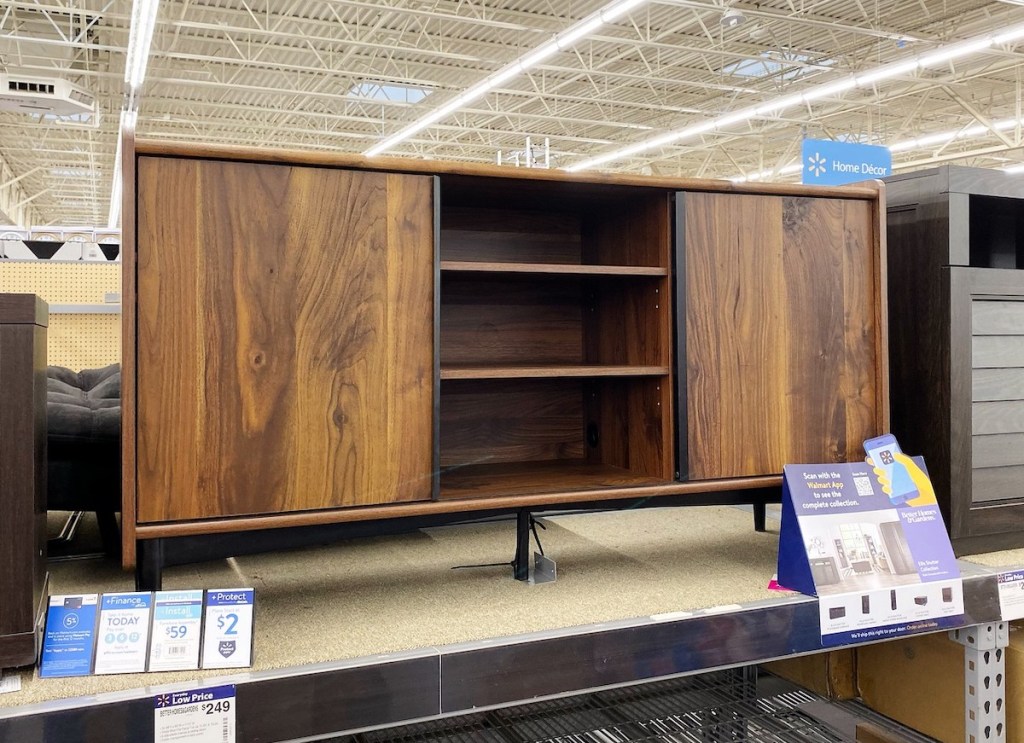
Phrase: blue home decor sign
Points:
(828, 163)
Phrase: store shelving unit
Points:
(386, 690)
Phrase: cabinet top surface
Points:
(868, 190)
(23, 309)
(960, 179)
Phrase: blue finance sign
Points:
(829, 163)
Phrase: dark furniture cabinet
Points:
(23, 321)
(336, 344)
(956, 311)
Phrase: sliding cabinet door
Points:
(285, 338)
(781, 344)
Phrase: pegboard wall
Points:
(77, 341)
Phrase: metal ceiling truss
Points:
(312, 74)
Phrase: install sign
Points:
(828, 163)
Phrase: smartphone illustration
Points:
(883, 451)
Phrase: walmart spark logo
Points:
(163, 700)
(816, 164)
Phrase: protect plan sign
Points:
(828, 163)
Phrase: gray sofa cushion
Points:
(84, 406)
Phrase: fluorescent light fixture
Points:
(1013, 169)
(955, 51)
(878, 74)
(608, 14)
(140, 37)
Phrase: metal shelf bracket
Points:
(984, 680)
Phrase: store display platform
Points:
(379, 631)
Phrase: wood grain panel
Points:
(489, 321)
(997, 417)
(989, 385)
(279, 366)
(551, 269)
(832, 353)
(467, 505)
(634, 232)
(997, 450)
(628, 323)
(997, 483)
(526, 478)
(633, 425)
(508, 235)
(550, 371)
(129, 337)
(22, 475)
(781, 332)
(997, 352)
(736, 334)
(517, 421)
(993, 317)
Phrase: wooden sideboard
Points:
(316, 339)
(957, 323)
(23, 322)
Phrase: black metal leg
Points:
(109, 532)
(149, 564)
(760, 515)
(521, 565)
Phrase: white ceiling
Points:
(306, 74)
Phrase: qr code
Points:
(863, 485)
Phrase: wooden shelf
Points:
(466, 371)
(525, 478)
(553, 269)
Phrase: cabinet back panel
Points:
(632, 419)
(279, 367)
(780, 316)
(490, 321)
(634, 232)
(489, 422)
(628, 323)
(506, 235)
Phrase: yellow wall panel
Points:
(77, 341)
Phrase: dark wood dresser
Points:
(956, 311)
(23, 321)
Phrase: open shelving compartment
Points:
(555, 335)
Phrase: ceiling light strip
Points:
(938, 56)
(608, 14)
(140, 38)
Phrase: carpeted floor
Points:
(378, 595)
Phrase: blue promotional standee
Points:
(868, 540)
